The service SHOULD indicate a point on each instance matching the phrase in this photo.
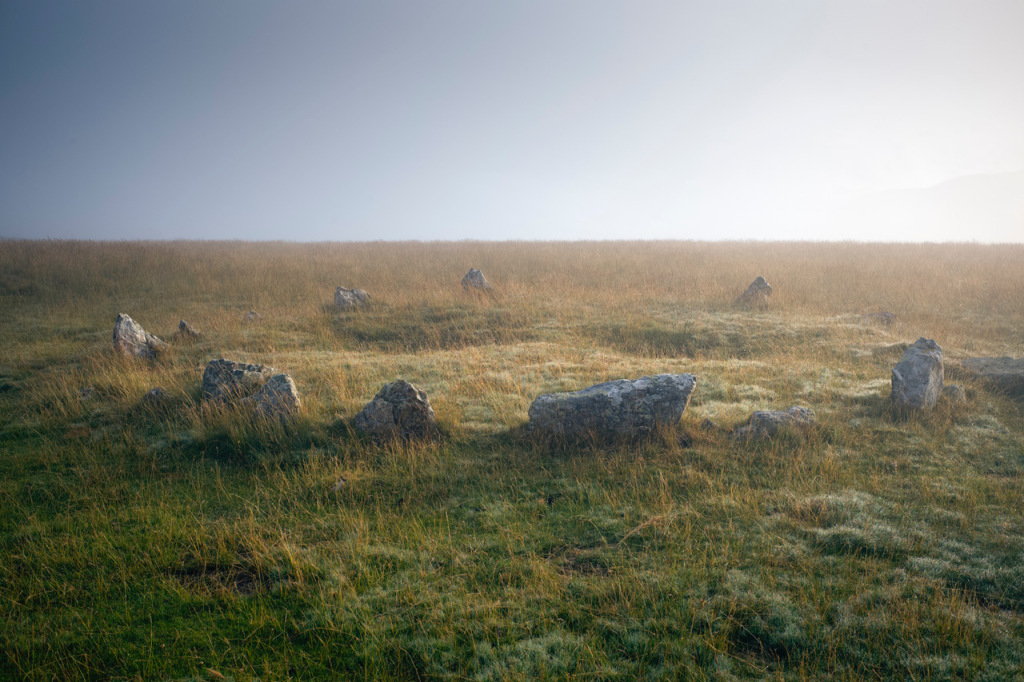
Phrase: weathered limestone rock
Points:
(954, 393)
(225, 380)
(917, 377)
(277, 398)
(767, 423)
(757, 293)
(399, 410)
(474, 279)
(186, 332)
(132, 340)
(881, 317)
(1004, 374)
(624, 407)
(252, 316)
(346, 299)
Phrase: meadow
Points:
(186, 543)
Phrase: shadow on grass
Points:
(432, 327)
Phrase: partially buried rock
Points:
(186, 332)
(474, 279)
(620, 408)
(1004, 374)
(155, 397)
(757, 293)
(346, 299)
(132, 340)
(399, 410)
(225, 380)
(954, 393)
(882, 317)
(765, 424)
(917, 377)
(252, 316)
(277, 398)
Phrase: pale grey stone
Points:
(474, 279)
(225, 380)
(132, 340)
(399, 410)
(155, 397)
(757, 293)
(278, 397)
(1004, 374)
(917, 377)
(346, 299)
(765, 424)
(624, 407)
(252, 316)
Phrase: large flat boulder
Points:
(227, 380)
(624, 407)
(132, 340)
(766, 424)
(399, 410)
(917, 377)
(1004, 374)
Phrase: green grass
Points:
(193, 543)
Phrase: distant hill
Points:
(988, 208)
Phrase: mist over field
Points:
(485, 341)
(528, 120)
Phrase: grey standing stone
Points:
(765, 424)
(132, 340)
(624, 407)
(917, 377)
(757, 293)
(398, 410)
(186, 332)
(1004, 374)
(226, 380)
(252, 316)
(278, 397)
(474, 279)
(346, 299)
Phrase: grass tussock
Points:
(184, 541)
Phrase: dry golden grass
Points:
(165, 544)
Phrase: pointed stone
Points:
(132, 340)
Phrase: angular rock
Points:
(277, 398)
(881, 317)
(226, 380)
(1004, 374)
(624, 407)
(765, 424)
(474, 279)
(399, 410)
(917, 377)
(757, 293)
(155, 397)
(134, 341)
(87, 393)
(186, 332)
(252, 316)
(346, 299)
(954, 393)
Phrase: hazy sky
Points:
(497, 120)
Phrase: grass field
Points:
(186, 543)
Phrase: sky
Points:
(564, 119)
